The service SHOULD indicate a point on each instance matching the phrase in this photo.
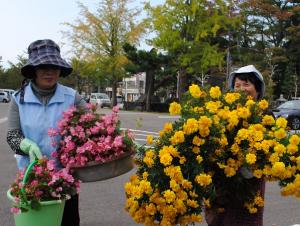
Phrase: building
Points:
(131, 88)
(134, 86)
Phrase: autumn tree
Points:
(100, 36)
(187, 29)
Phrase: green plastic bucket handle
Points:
(25, 178)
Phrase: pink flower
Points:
(87, 117)
(116, 109)
(130, 134)
(110, 130)
(34, 183)
(38, 170)
(52, 132)
(90, 106)
(15, 210)
(118, 142)
(51, 164)
(38, 193)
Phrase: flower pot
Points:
(50, 213)
(97, 171)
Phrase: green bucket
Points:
(50, 213)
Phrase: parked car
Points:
(291, 111)
(100, 99)
(4, 97)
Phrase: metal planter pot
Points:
(95, 171)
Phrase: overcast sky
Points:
(24, 21)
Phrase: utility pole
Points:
(228, 65)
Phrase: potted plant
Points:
(93, 145)
(220, 138)
(39, 193)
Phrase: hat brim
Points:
(28, 70)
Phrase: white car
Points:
(4, 97)
(100, 99)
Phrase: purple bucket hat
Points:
(44, 52)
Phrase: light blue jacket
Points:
(36, 118)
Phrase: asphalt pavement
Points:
(102, 203)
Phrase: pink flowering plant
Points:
(87, 136)
(44, 183)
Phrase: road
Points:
(102, 203)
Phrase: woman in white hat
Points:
(38, 106)
(249, 80)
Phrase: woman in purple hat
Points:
(38, 106)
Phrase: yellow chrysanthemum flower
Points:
(294, 139)
(250, 158)
(258, 173)
(168, 127)
(244, 113)
(182, 160)
(199, 159)
(151, 209)
(212, 106)
(174, 185)
(175, 108)
(195, 91)
(229, 171)
(166, 159)
(278, 169)
(192, 203)
(250, 103)
(280, 149)
(203, 179)
(281, 122)
(268, 120)
(196, 149)
(198, 141)
(292, 149)
(215, 92)
(191, 126)
(274, 158)
(204, 122)
(280, 134)
(169, 196)
(231, 97)
(263, 104)
(259, 201)
(149, 139)
(177, 138)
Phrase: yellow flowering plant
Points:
(220, 145)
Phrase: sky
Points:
(24, 21)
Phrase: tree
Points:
(11, 78)
(150, 62)
(100, 36)
(188, 29)
(272, 31)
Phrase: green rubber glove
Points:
(31, 148)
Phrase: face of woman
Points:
(46, 76)
(248, 87)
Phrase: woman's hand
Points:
(31, 148)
